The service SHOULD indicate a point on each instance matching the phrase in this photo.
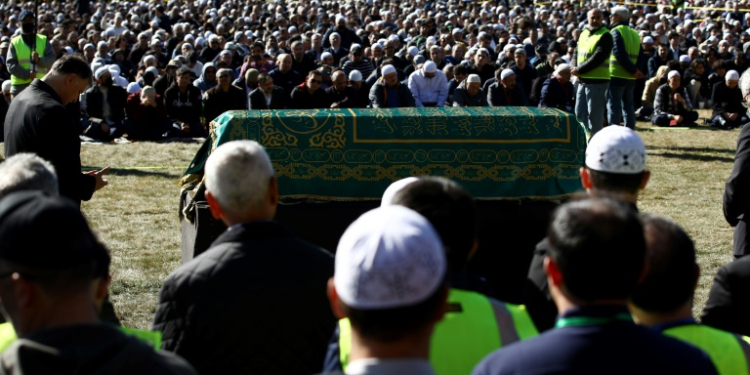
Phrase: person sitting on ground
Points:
(147, 116)
(390, 282)
(361, 94)
(460, 72)
(183, 104)
(248, 83)
(663, 301)
(340, 95)
(207, 80)
(615, 165)
(558, 92)
(217, 297)
(53, 290)
(726, 99)
(591, 289)
(672, 105)
(429, 86)
(267, 95)
(649, 93)
(105, 107)
(505, 92)
(469, 93)
(284, 76)
(223, 97)
(309, 94)
(388, 92)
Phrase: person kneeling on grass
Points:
(147, 116)
(727, 103)
(672, 104)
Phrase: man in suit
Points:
(257, 298)
(267, 96)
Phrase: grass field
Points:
(136, 215)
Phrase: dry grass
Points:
(136, 216)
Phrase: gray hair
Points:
(745, 83)
(237, 175)
(27, 172)
(621, 12)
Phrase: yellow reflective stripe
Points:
(152, 338)
(7, 336)
(522, 321)
(345, 342)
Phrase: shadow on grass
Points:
(136, 172)
(696, 149)
(673, 155)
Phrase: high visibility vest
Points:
(724, 348)
(632, 47)
(586, 46)
(23, 53)
(467, 333)
(152, 338)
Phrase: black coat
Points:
(38, 123)
(302, 99)
(497, 98)
(555, 96)
(278, 99)
(345, 99)
(287, 81)
(217, 101)
(736, 198)
(728, 304)
(184, 107)
(117, 97)
(254, 303)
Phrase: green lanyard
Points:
(578, 321)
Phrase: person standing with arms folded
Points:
(626, 52)
(594, 50)
(30, 55)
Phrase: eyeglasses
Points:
(316, 81)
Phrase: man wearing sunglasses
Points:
(309, 95)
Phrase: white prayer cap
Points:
(325, 55)
(472, 78)
(377, 46)
(188, 37)
(101, 71)
(387, 69)
(88, 45)
(394, 188)
(507, 73)
(388, 258)
(101, 44)
(430, 67)
(561, 68)
(732, 75)
(114, 69)
(456, 31)
(672, 74)
(616, 149)
(355, 76)
(6, 85)
(413, 51)
(684, 59)
(648, 40)
(394, 38)
(134, 88)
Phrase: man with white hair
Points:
(236, 307)
(104, 106)
(469, 93)
(558, 92)
(623, 69)
(429, 86)
(672, 105)
(27, 171)
(592, 70)
(335, 48)
(505, 92)
(726, 99)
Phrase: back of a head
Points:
(27, 172)
(672, 268)
(238, 174)
(451, 211)
(390, 274)
(72, 63)
(599, 248)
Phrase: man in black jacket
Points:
(183, 103)
(255, 302)
(726, 97)
(224, 97)
(340, 95)
(267, 95)
(38, 122)
(105, 107)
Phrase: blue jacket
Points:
(554, 95)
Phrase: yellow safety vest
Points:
(632, 47)
(23, 53)
(466, 334)
(586, 46)
(724, 348)
(152, 338)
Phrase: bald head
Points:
(595, 19)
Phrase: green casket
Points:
(354, 154)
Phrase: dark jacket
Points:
(162, 83)
(254, 303)
(555, 95)
(726, 100)
(38, 123)
(337, 55)
(279, 99)
(525, 77)
(88, 349)
(461, 97)
(655, 62)
(116, 98)
(287, 81)
(305, 66)
(217, 101)
(736, 200)
(601, 53)
(302, 99)
(348, 37)
(663, 103)
(621, 54)
(496, 97)
(184, 107)
(378, 95)
(345, 98)
(728, 304)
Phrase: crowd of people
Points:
(610, 289)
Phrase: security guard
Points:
(626, 52)
(663, 301)
(592, 69)
(26, 49)
(473, 327)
